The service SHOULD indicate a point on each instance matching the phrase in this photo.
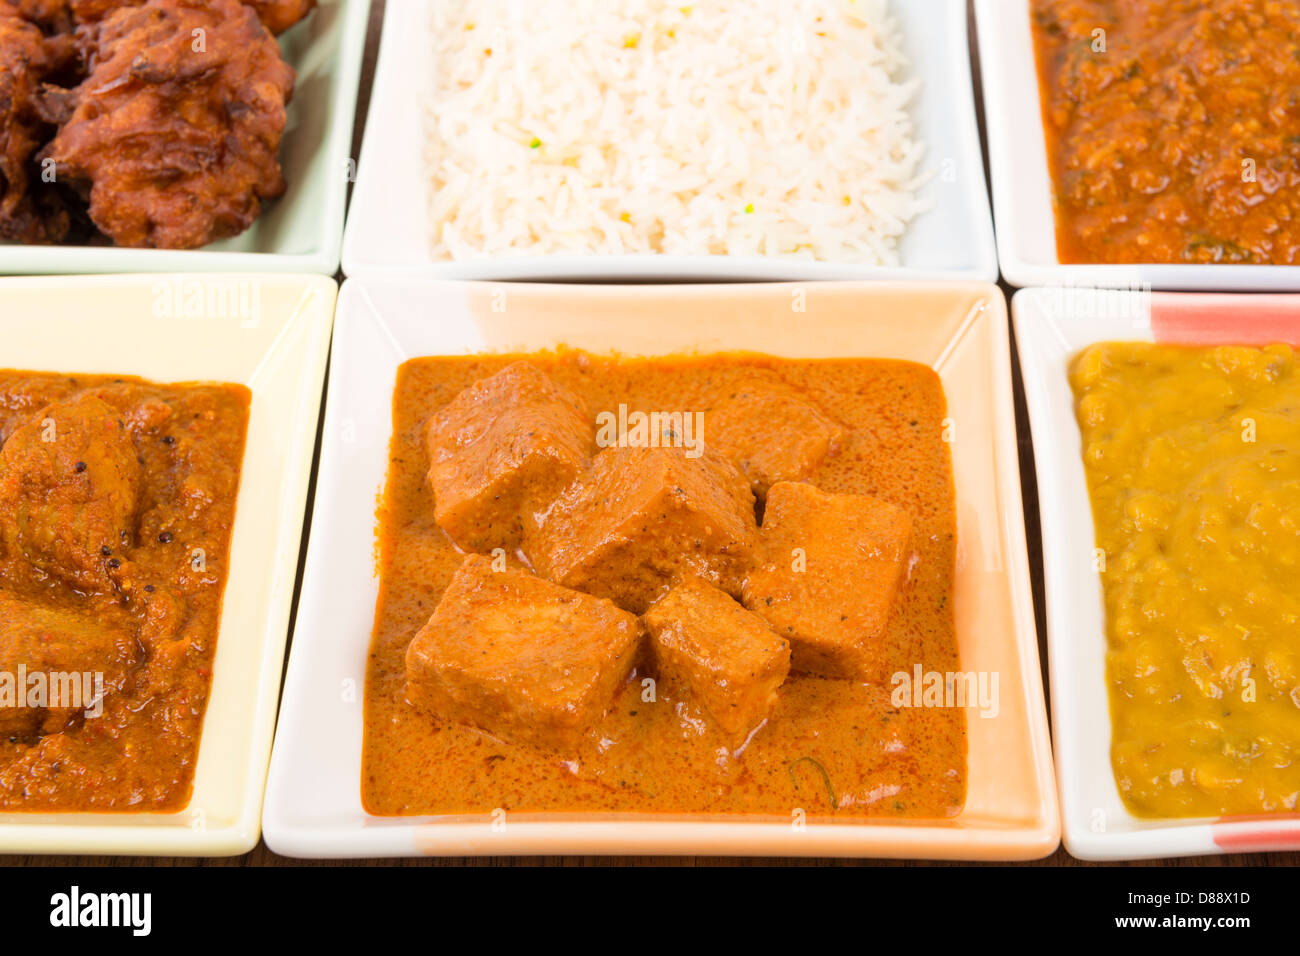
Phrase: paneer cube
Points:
(729, 659)
(500, 451)
(644, 518)
(832, 568)
(768, 428)
(519, 657)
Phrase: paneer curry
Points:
(117, 498)
(1173, 129)
(674, 584)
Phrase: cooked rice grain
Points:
(736, 127)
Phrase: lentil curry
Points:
(1173, 129)
(117, 499)
(1190, 456)
(579, 613)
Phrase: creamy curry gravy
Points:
(830, 746)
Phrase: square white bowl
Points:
(1052, 326)
(275, 341)
(389, 233)
(303, 229)
(1022, 182)
(313, 806)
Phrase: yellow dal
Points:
(1192, 458)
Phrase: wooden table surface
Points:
(261, 856)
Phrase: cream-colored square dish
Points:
(271, 334)
(301, 231)
(314, 806)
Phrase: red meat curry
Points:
(1173, 129)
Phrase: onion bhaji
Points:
(276, 15)
(175, 131)
(28, 212)
(52, 16)
(280, 15)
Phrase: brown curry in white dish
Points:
(117, 503)
(585, 607)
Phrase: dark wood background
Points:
(261, 856)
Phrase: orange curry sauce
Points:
(1173, 129)
(830, 746)
(117, 501)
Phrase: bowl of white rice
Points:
(643, 139)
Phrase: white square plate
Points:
(313, 806)
(303, 229)
(272, 337)
(1052, 326)
(1022, 185)
(388, 229)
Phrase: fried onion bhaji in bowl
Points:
(52, 16)
(280, 15)
(28, 211)
(276, 15)
(175, 131)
